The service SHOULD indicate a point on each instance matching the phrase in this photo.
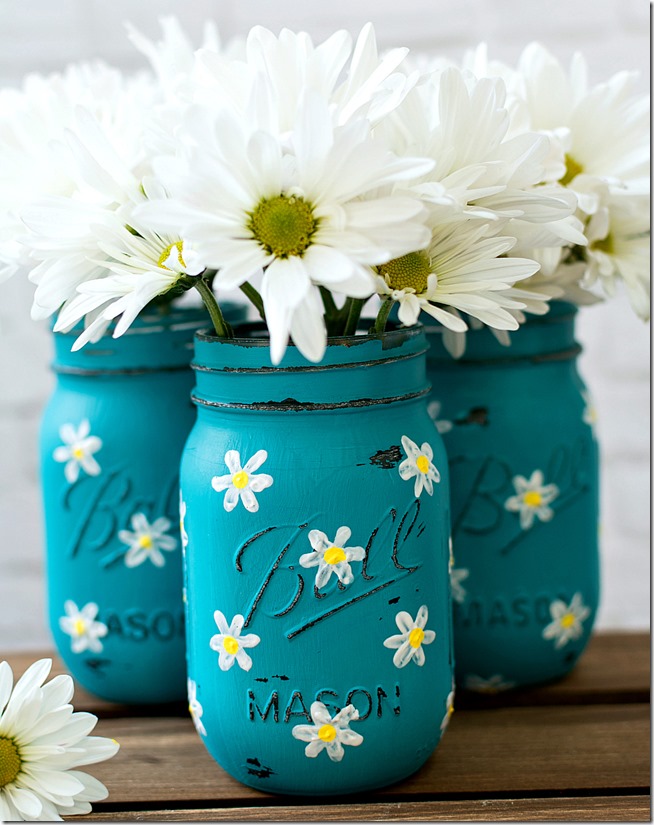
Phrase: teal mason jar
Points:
(111, 438)
(316, 567)
(517, 423)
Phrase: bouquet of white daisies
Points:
(321, 179)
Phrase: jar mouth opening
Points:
(255, 334)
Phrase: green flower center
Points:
(10, 761)
(165, 255)
(283, 225)
(572, 169)
(604, 245)
(408, 272)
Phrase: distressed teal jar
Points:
(517, 424)
(316, 568)
(111, 438)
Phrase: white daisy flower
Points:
(77, 452)
(328, 733)
(182, 516)
(332, 556)
(418, 464)
(457, 575)
(567, 620)
(230, 645)
(408, 643)
(146, 541)
(434, 410)
(42, 744)
(313, 218)
(194, 707)
(241, 482)
(449, 709)
(84, 631)
(494, 684)
(532, 499)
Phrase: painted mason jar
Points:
(517, 423)
(111, 438)
(316, 567)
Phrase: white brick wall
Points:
(41, 35)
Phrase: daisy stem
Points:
(382, 316)
(223, 329)
(353, 315)
(250, 292)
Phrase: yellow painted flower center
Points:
(79, 627)
(334, 555)
(327, 733)
(567, 620)
(240, 479)
(165, 256)
(416, 636)
(146, 542)
(572, 169)
(533, 499)
(78, 453)
(283, 225)
(10, 761)
(605, 245)
(231, 645)
(408, 272)
(422, 463)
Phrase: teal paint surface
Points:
(522, 553)
(271, 629)
(126, 404)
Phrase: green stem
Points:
(382, 316)
(250, 292)
(223, 329)
(353, 315)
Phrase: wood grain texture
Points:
(614, 668)
(569, 809)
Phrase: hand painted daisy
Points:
(332, 556)
(182, 516)
(408, 643)
(328, 733)
(241, 482)
(532, 499)
(147, 540)
(567, 620)
(77, 451)
(42, 745)
(195, 708)
(449, 709)
(434, 410)
(457, 575)
(418, 463)
(229, 644)
(494, 684)
(85, 633)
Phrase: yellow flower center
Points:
(327, 733)
(567, 620)
(79, 627)
(605, 245)
(408, 272)
(164, 258)
(78, 453)
(283, 225)
(10, 761)
(422, 463)
(533, 499)
(146, 542)
(334, 555)
(416, 636)
(240, 479)
(572, 169)
(231, 645)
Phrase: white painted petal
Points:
(244, 660)
(545, 513)
(314, 748)
(418, 484)
(135, 555)
(403, 655)
(310, 559)
(410, 447)
(225, 660)
(249, 640)
(61, 454)
(68, 434)
(422, 616)
(419, 656)
(249, 500)
(255, 462)
(305, 733)
(350, 737)
(231, 499)
(407, 469)
(342, 536)
(221, 622)
(324, 574)
(404, 621)
(393, 642)
(344, 572)
(233, 461)
(220, 483)
(140, 524)
(356, 553)
(318, 539)
(260, 482)
(430, 635)
(526, 518)
(320, 714)
(335, 750)
(71, 472)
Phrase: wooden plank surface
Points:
(568, 809)
(614, 668)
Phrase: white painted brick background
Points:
(42, 35)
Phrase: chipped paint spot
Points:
(388, 458)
